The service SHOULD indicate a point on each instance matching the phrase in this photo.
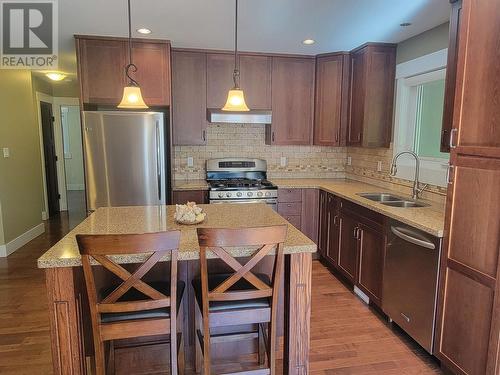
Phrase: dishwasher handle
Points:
(401, 233)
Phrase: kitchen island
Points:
(69, 316)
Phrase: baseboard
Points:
(75, 187)
(23, 239)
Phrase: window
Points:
(419, 113)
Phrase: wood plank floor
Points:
(347, 336)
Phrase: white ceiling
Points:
(265, 25)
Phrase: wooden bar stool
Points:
(133, 308)
(242, 297)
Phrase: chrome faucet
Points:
(416, 189)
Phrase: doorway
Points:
(73, 162)
(50, 158)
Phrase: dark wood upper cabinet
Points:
(373, 70)
(101, 64)
(220, 67)
(255, 80)
(189, 98)
(451, 75)
(476, 121)
(153, 71)
(332, 99)
(292, 101)
(101, 69)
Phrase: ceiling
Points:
(265, 25)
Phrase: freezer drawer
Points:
(410, 281)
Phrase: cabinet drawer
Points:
(289, 195)
(292, 208)
(294, 220)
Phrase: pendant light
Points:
(132, 96)
(235, 97)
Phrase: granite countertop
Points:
(183, 185)
(429, 219)
(142, 219)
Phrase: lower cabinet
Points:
(184, 196)
(352, 240)
(300, 208)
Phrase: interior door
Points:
(50, 158)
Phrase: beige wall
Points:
(422, 44)
(2, 239)
(20, 174)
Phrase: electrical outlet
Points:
(190, 161)
(379, 166)
(6, 152)
(349, 160)
(283, 161)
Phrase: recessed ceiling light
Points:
(308, 41)
(405, 24)
(144, 31)
(55, 76)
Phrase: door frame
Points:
(56, 102)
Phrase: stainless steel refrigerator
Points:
(125, 161)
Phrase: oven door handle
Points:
(267, 201)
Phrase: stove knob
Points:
(249, 193)
(239, 194)
(268, 194)
(228, 195)
(259, 194)
(221, 195)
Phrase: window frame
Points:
(409, 74)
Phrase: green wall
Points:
(422, 44)
(2, 239)
(73, 156)
(21, 188)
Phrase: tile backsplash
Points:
(248, 140)
(364, 168)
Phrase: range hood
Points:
(216, 115)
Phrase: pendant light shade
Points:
(132, 96)
(236, 101)
(235, 97)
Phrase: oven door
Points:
(270, 202)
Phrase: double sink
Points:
(388, 199)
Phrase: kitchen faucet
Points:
(394, 169)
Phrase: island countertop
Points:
(143, 219)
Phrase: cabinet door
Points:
(101, 68)
(189, 98)
(478, 80)
(255, 81)
(357, 98)
(332, 100)
(451, 75)
(348, 249)
(468, 321)
(371, 261)
(323, 223)
(332, 250)
(310, 213)
(292, 101)
(184, 196)
(220, 67)
(153, 71)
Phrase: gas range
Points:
(240, 180)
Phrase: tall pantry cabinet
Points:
(468, 327)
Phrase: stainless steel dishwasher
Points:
(410, 281)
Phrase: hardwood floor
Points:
(347, 336)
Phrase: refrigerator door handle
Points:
(158, 160)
